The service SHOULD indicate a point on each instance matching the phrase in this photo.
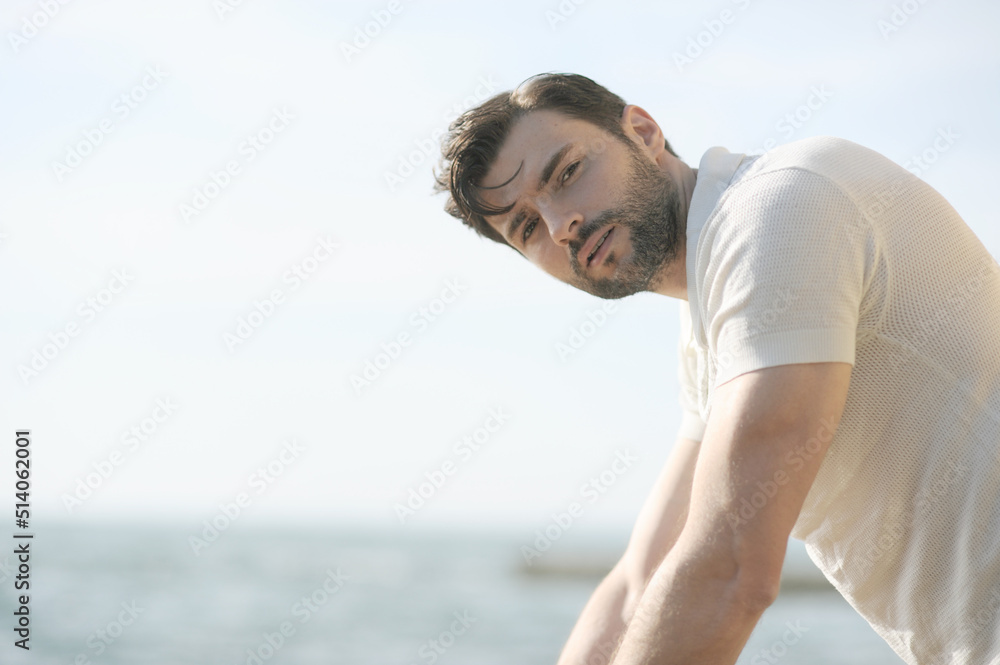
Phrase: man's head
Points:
(560, 167)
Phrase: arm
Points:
(603, 620)
(706, 596)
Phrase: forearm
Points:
(693, 611)
(601, 624)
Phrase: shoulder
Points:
(821, 163)
(824, 155)
(820, 185)
(784, 205)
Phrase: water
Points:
(387, 597)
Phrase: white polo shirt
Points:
(822, 250)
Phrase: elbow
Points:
(745, 585)
(751, 562)
(756, 579)
(755, 592)
(747, 581)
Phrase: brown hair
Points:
(474, 138)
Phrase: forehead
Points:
(531, 141)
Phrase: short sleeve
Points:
(786, 254)
(692, 426)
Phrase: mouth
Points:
(600, 248)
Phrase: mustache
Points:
(642, 179)
(594, 225)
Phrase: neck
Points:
(673, 281)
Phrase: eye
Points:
(570, 170)
(528, 228)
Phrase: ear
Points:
(641, 128)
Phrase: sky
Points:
(217, 224)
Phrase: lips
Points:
(593, 250)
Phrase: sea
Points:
(139, 593)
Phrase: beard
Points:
(650, 210)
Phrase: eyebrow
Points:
(543, 180)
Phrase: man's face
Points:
(578, 189)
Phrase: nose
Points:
(563, 221)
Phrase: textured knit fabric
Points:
(822, 250)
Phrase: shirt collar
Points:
(715, 173)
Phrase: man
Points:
(840, 366)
